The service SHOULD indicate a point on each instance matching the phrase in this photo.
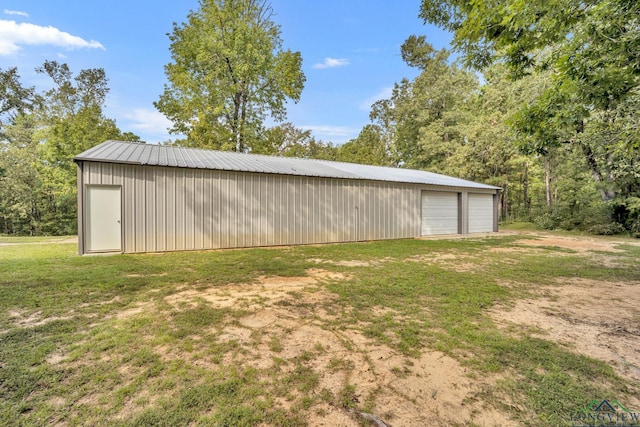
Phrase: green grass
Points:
(519, 226)
(64, 340)
(28, 239)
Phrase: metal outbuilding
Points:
(135, 197)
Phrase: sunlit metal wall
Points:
(171, 209)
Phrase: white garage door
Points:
(103, 219)
(439, 213)
(480, 213)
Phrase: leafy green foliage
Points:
(578, 61)
(369, 148)
(426, 116)
(588, 54)
(288, 141)
(40, 134)
(229, 72)
(15, 99)
(561, 161)
(590, 45)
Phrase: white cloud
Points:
(331, 63)
(384, 93)
(151, 125)
(16, 12)
(145, 119)
(14, 35)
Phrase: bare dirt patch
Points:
(596, 318)
(288, 330)
(138, 308)
(582, 246)
(266, 290)
(147, 275)
(579, 244)
(353, 263)
(24, 319)
(452, 261)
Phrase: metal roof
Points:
(160, 155)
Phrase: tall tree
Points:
(591, 51)
(15, 99)
(229, 72)
(21, 187)
(426, 116)
(592, 47)
(369, 148)
(289, 141)
(72, 115)
(39, 135)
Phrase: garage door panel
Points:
(439, 213)
(481, 213)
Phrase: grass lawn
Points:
(289, 336)
(40, 239)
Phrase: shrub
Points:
(546, 221)
(608, 229)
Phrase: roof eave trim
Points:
(89, 159)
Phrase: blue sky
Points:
(350, 51)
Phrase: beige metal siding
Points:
(167, 209)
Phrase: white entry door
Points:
(103, 228)
(480, 213)
(439, 213)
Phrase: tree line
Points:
(541, 101)
(40, 132)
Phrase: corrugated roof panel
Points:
(399, 174)
(153, 157)
(179, 159)
(121, 153)
(134, 155)
(99, 150)
(171, 158)
(162, 157)
(189, 159)
(143, 154)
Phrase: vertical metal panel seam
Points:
(81, 212)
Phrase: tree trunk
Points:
(527, 203)
(547, 180)
(519, 197)
(235, 126)
(606, 194)
(505, 199)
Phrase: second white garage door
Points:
(480, 213)
(439, 213)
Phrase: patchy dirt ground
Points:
(433, 390)
(595, 318)
(288, 318)
(600, 319)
